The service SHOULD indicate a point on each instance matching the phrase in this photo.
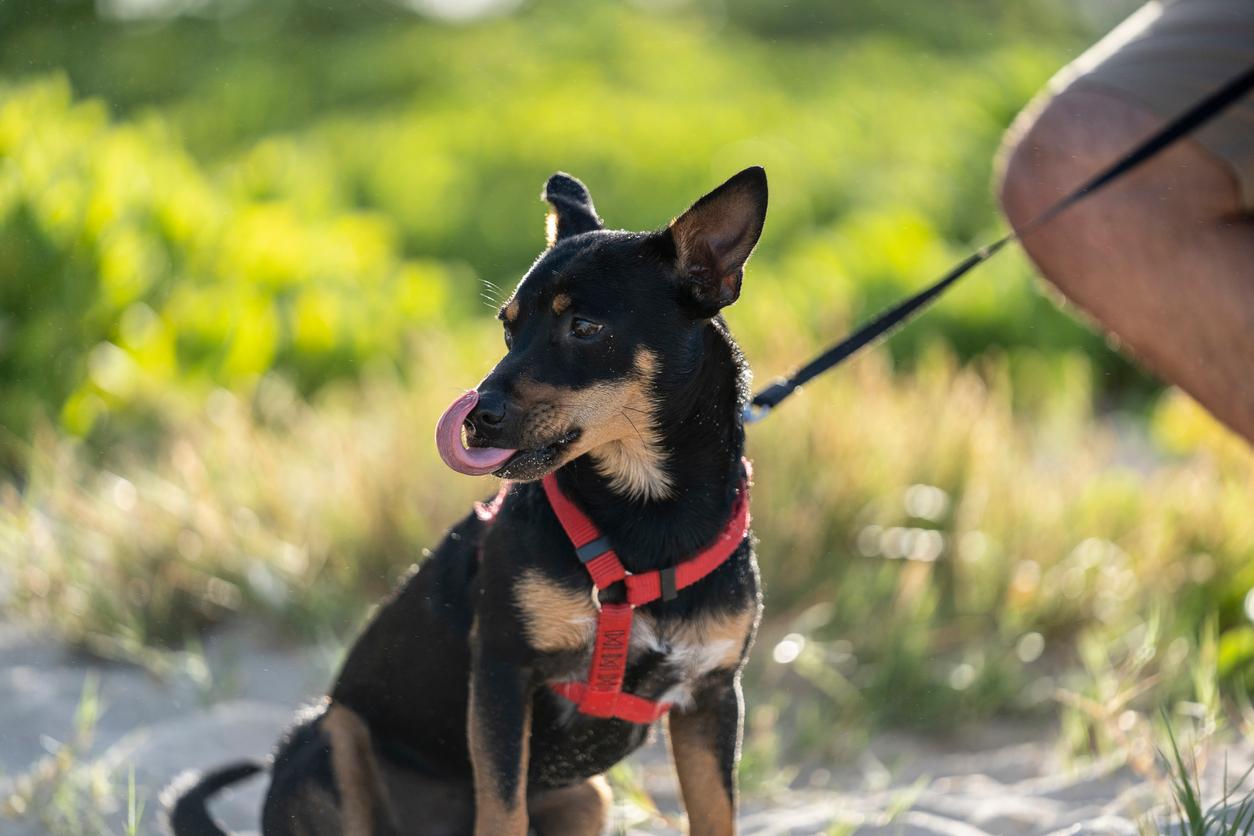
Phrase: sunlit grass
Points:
(1230, 814)
(67, 794)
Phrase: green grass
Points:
(68, 795)
(1231, 815)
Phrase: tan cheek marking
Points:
(356, 771)
(511, 311)
(560, 303)
(555, 618)
(633, 461)
(618, 428)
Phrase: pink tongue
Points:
(474, 461)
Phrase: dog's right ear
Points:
(570, 208)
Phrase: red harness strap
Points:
(602, 695)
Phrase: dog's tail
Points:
(187, 795)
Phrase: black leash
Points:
(1181, 126)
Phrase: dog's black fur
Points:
(441, 720)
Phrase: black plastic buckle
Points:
(667, 577)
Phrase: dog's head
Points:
(589, 328)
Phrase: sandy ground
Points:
(1001, 780)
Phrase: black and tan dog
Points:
(621, 395)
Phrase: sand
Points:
(997, 779)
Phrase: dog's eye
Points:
(582, 329)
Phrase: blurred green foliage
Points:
(129, 271)
(299, 186)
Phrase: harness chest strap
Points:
(602, 695)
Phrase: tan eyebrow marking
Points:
(560, 303)
(510, 312)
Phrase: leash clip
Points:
(754, 413)
(766, 400)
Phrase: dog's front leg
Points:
(499, 729)
(705, 743)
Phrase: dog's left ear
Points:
(570, 208)
(714, 238)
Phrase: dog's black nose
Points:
(488, 413)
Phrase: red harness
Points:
(602, 695)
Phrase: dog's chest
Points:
(667, 658)
(665, 654)
(684, 651)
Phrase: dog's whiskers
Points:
(491, 292)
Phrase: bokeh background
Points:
(249, 249)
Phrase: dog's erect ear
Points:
(714, 238)
(570, 208)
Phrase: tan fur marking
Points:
(694, 649)
(711, 811)
(580, 810)
(356, 771)
(731, 630)
(632, 469)
(495, 816)
(555, 618)
(560, 303)
(511, 311)
(618, 426)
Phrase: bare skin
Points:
(1163, 259)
